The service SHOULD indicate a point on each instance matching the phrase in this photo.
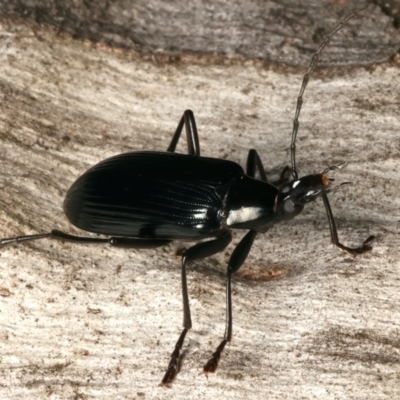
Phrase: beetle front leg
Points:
(237, 259)
(192, 136)
(198, 251)
(365, 246)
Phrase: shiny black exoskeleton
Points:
(148, 199)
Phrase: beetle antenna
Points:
(306, 78)
(334, 167)
(336, 187)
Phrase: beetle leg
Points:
(285, 177)
(198, 251)
(18, 239)
(253, 163)
(113, 241)
(365, 246)
(238, 257)
(192, 136)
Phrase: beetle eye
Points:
(288, 205)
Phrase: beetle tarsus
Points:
(174, 365)
(364, 248)
(19, 239)
(212, 364)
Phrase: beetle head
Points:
(294, 195)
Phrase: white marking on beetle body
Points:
(243, 214)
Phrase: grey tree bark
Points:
(96, 322)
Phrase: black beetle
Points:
(148, 199)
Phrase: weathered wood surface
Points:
(96, 322)
(275, 31)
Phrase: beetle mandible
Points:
(148, 199)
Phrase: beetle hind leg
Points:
(113, 241)
(192, 136)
